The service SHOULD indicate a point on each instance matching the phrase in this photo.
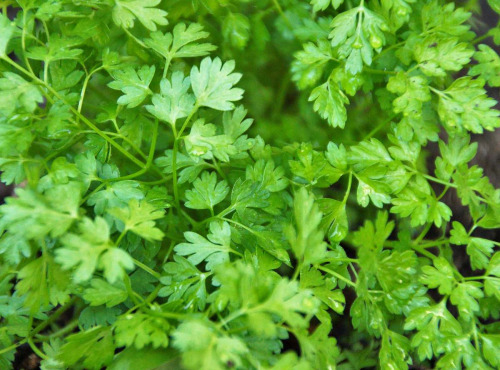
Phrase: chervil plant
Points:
(154, 223)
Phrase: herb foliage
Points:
(155, 223)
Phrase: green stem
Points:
(480, 38)
(146, 268)
(378, 128)
(337, 275)
(423, 233)
(36, 350)
(67, 329)
(167, 66)
(42, 326)
(120, 238)
(348, 191)
(78, 114)
(379, 71)
(84, 88)
(177, 135)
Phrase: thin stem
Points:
(282, 13)
(42, 326)
(379, 71)
(67, 329)
(337, 275)
(146, 268)
(481, 38)
(177, 135)
(120, 238)
(348, 191)
(84, 88)
(423, 233)
(135, 38)
(23, 44)
(78, 114)
(36, 350)
(132, 295)
(167, 66)
(378, 128)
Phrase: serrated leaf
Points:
(488, 67)
(140, 329)
(206, 192)
(329, 102)
(17, 93)
(440, 276)
(134, 84)
(215, 251)
(139, 218)
(213, 84)
(181, 43)
(92, 348)
(101, 293)
(306, 239)
(174, 101)
(6, 32)
(464, 105)
(125, 12)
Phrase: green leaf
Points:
(114, 262)
(437, 55)
(140, 329)
(58, 48)
(413, 93)
(324, 4)
(465, 296)
(329, 102)
(440, 276)
(434, 324)
(263, 298)
(116, 195)
(488, 67)
(183, 281)
(6, 32)
(420, 205)
(213, 83)
(203, 347)
(491, 343)
(394, 351)
(125, 12)
(236, 30)
(494, 265)
(334, 223)
(204, 142)
(248, 194)
(465, 105)
(133, 84)
(174, 101)
(307, 239)
(139, 218)
(145, 359)
(33, 216)
(42, 282)
(313, 168)
(102, 292)
(90, 250)
(357, 33)
(16, 93)
(92, 349)
(215, 251)
(181, 43)
(206, 192)
(311, 62)
(495, 5)
(272, 178)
